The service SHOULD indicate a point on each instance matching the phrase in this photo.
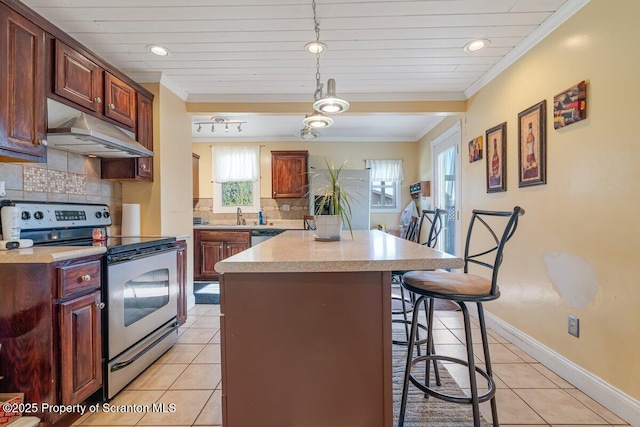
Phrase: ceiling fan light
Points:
(331, 103)
(315, 47)
(317, 121)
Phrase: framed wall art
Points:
(570, 106)
(532, 144)
(496, 138)
(475, 149)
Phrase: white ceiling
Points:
(253, 50)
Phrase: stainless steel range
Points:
(139, 283)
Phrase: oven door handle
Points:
(122, 365)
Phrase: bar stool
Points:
(462, 288)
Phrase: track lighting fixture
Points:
(220, 121)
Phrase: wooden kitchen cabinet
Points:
(77, 78)
(289, 174)
(50, 331)
(212, 246)
(139, 168)
(22, 89)
(182, 282)
(195, 168)
(81, 347)
(119, 100)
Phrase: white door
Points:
(446, 176)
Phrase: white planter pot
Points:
(328, 227)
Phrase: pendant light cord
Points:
(316, 26)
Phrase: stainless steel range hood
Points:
(90, 136)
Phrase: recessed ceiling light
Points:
(476, 45)
(158, 50)
(315, 47)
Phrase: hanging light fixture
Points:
(317, 120)
(307, 133)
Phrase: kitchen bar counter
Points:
(306, 329)
(48, 254)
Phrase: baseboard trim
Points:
(618, 402)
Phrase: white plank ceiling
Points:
(253, 50)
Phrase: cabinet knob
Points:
(97, 100)
(43, 142)
(143, 167)
(100, 305)
(86, 278)
(275, 194)
(111, 106)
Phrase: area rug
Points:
(430, 412)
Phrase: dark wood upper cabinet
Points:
(144, 135)
(289, 174)
(77, 78)
(22, 89)
(119, 100)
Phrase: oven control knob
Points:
(25, 215)
(98, 214)
(106, 214)
(38, 215)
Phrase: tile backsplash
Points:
(66, 177)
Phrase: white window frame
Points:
(397, 196)
(217, 200)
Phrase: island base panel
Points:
(306, 349)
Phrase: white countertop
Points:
(294, 251)
(48, 254)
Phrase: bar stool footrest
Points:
(491, 391)
(408, 322)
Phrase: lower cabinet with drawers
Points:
(50, 331)
(212, 246)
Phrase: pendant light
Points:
(331, 103)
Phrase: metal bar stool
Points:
(462, 288)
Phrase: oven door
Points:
(141, 297)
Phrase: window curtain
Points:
(235, 164)
(385, 170)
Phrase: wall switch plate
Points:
(573, 326)
(2, 190)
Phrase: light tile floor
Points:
(188, 378)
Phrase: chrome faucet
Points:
(239, 219)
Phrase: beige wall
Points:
(583, 222)
(167, 202)
(337, 152)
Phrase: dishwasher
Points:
(259, 236)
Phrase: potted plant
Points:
(333, 205)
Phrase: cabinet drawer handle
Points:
(111, 106)
(86, 278)
(100, 305)
(97, 100)
(43, 142)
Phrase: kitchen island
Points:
(306, 329)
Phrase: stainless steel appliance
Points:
(260, 235)
(139, 283)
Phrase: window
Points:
(386, 178)
(236, 179)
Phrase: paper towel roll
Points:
(130, 219)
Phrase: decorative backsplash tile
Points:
(53, 181)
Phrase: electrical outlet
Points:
(574, 326)
(286, 207)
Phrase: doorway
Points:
(446, 176)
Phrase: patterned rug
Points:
(430, 412)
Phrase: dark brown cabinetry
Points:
(77, 78)
(140, 168)
(119, 100)
(182, 282)
(195, 168)
(289, 174)
(22, 89)
(212, 246)
(50, 331)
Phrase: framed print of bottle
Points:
(532, 145)
(496, 149)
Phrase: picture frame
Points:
(475, 149)
(496, 144)
(532, 145)
(570, 106)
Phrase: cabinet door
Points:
(210, 254)
(195, 169)
(81, 345)
(182, 282)
(144, 135)
(77, 78)
(232, 248)
(22, 88)
(288, 174)
(119, 100)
